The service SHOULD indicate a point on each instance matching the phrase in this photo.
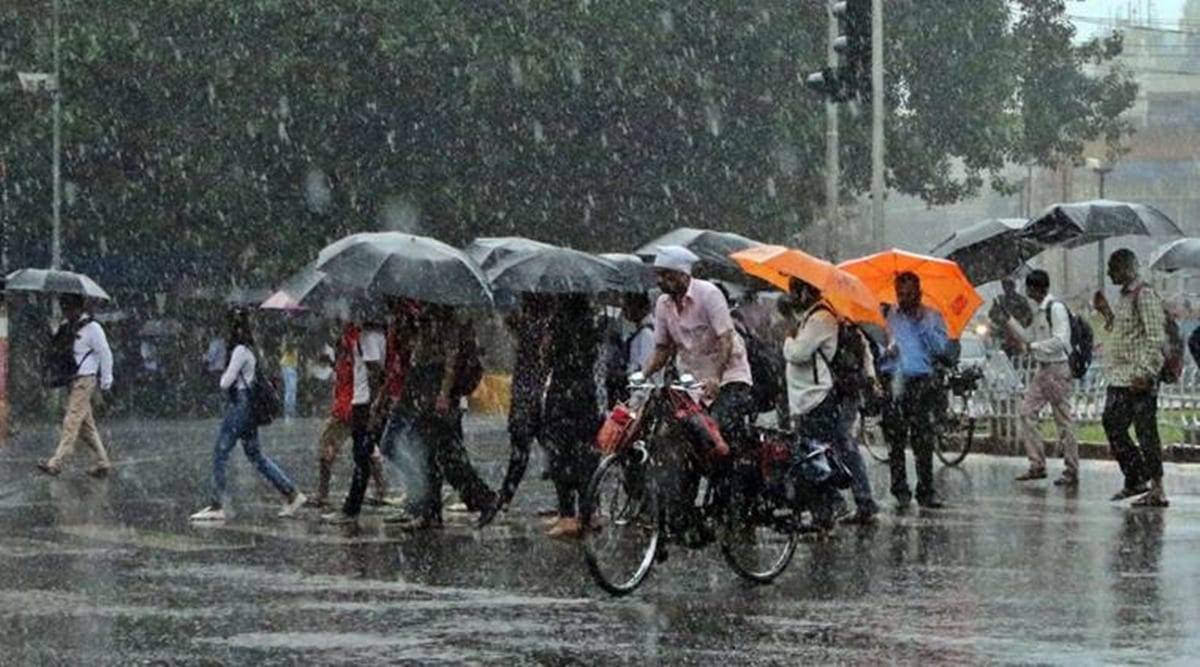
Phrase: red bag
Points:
(617, 430)
(701, 429)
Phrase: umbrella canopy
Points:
(54, 281)
(300, 291)
(713, 249)
(398, 264)
(989, 250)
(943, 284)
(488, 250)
(554, 270)
(1176, 255)
(636, 272)
(845, 292)
(1081, 223)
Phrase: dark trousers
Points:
(448, 461)
(363, 445)
(572, 459)
(908, 419)
(821, 424)
(731, 409)
(1125, 406)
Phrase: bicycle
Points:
(635, 504)
(954, 421)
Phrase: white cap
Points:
(675, 258)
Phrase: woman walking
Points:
(238, 424)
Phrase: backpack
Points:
(1079, 356)
(766, 369)
(59, 367)
(265, 405)
(848, 367)
(1173, 347)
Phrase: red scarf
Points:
(343, 374)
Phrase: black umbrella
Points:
(1081, 223)
(554, 270)
(713, 249)
(634, 270)
(397, 264)
(54, 281)
(486, 251)
(989, 250)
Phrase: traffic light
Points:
(853, 44)
(828, 82)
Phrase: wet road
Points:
(110, 572)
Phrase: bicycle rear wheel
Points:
(758, 539)
(954, 441)
(621, 523)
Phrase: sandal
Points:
(1150, 500)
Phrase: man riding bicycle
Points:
(695, 327)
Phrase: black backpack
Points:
(1079, 357)
(59, 367)
(766, 369)
(848, 367)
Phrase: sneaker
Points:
(319, 503)
(48, 469)
(210, 513)
(338, 518)
(295, 504)
(1067, 480)
(1031, 475)
(1130, 491)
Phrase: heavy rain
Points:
(599, 332)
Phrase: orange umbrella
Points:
(845, 292)
(943, 284)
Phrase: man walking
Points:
(1047, 342)
(93, 363)
(918, 339)
(1135, 359)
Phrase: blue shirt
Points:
(918, 341)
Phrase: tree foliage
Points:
(218, 140)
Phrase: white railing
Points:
(997, 404)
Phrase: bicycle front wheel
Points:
(758, 540)
(954, 442)
(870, 435)
(621, 523)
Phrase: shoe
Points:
(931, 503)
(1067, 480)
(338, 518)
(1031, 474)
(903, 501)
(548, 521)
(458, 508)
(295, 504)
(1151, 500)
(99, 471)
(319, 503)
(489, 512)
(567, 528)
(860, 519)
(48, 469)
(209, 513)
(1130, 492)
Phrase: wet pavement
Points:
(110, 572)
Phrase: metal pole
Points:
(832, 166)
(1100, 245)
(877, 148)
(56, 167)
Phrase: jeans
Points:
(399, 445)
(446, 458)
(908, 419)
(1124, 406)
(236, 424)
(291, 382)
(363, 446)
(847, 447)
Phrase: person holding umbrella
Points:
(92, 364)
(238, 423)
(531, 326)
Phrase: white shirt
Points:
(372, 345)
(240, 371)
(809, 380)
(641, 345)
(1049, 336)
(93, 356)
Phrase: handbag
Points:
(265, 404)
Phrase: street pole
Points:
(1100, 259)
(832, 166)
(877, 147)
(56, 166)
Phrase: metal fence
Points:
(997, 405)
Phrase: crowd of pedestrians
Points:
(398, 384)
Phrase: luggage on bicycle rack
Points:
(700, 429)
